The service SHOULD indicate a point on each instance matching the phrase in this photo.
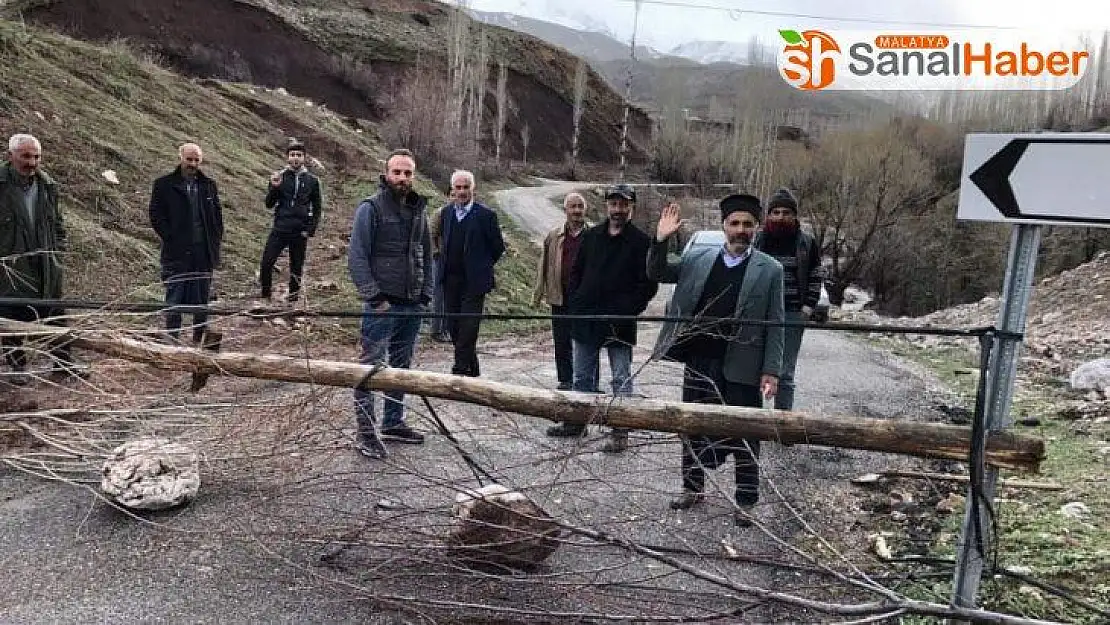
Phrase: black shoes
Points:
(687, 500)
(402, 434)
(566, 430)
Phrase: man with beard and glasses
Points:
(560, 248)
(783, 238)
(471, 244)
(608, 278)
(390, 261)
(186, 214)
(726, 362)
(295, 198)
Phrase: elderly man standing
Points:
(560, 248)
(608, 278)
(726, 362)
(471, 245)
(32, 234)
(390, 261)
(186, 214)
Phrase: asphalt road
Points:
(282, 488)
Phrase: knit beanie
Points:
(783, 198)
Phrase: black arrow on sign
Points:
(993, 179)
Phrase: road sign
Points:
(1059, 178)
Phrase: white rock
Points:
(1093, 375)
(40, 116)
(502, 527)
(316, 164)
(110, 176)
(151, 474)
(1074, 510)
(281, 91)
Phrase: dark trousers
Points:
(275, 245)
(464, 331)
(15, 354)
(703, 383)
(564, 347)
(188, 289)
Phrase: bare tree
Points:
(628, 93)
(525, 133)
(502, 108)
(581, 74)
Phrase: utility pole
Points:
(628, 94)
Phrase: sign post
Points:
(1028, 180)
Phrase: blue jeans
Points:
(792, 343)
(392, 340)
(586, 374)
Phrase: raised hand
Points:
(670, 221)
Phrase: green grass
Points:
(106, 107)
(1072, 554)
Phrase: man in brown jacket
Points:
(553, 277)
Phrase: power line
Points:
(736, 13)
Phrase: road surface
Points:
(282, 489)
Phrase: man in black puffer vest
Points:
(782, 238)
(297, 203)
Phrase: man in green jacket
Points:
(32, 235)
(727, 362)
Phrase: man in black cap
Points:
(608, 277)
(297, 202)
(726, 362)
(782, 238)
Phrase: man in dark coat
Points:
(783, 238)
(726, 362)
(471, 245)
(609, 277)
(186, 214)
(297, 202)
(32, 234)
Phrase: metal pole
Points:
(1016, 290)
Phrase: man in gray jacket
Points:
(726, 362)
(390, 261)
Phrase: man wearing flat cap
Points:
(726, 361)
(608, 277)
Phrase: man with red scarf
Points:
(783, 238)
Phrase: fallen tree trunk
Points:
(927, 440)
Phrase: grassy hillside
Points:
(356, 56)
(97, 108)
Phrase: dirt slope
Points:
(354, 56)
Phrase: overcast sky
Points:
(663, 27)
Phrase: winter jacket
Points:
(390, 255)
(171, 216)
(29, 264)
(483, 247)
(297, 202)
(609, 277)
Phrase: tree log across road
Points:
(912, 438)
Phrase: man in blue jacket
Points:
(390, 262)
(471, 245)
(297, 202)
